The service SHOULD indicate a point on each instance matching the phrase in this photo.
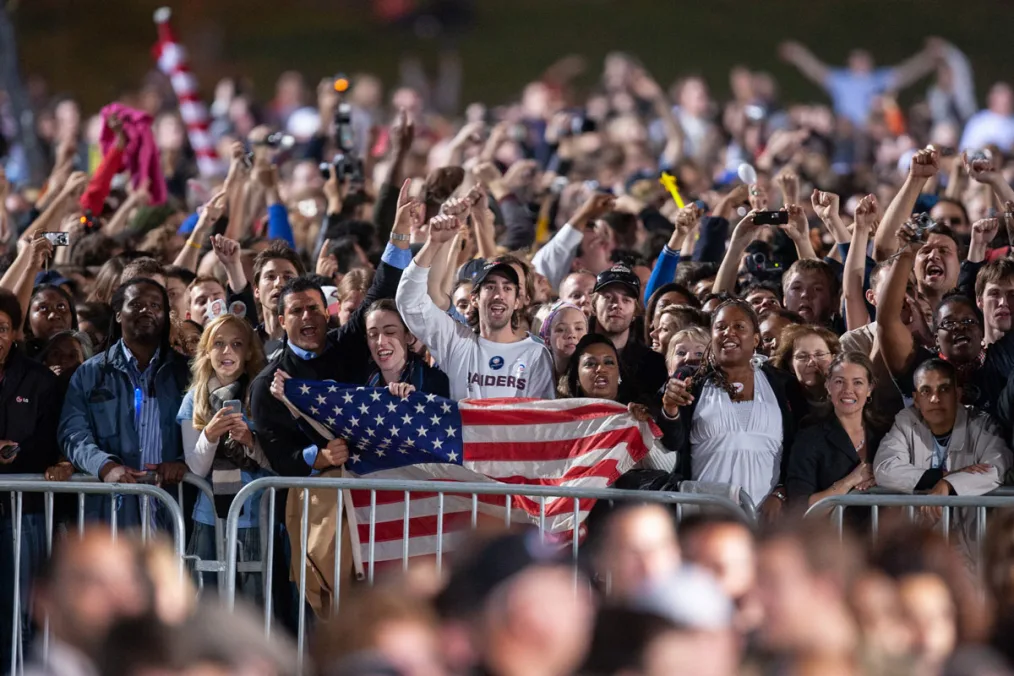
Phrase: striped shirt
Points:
(145, 407)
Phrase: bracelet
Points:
(195, 245)
(395, 237)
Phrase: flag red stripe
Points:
(479, 451)
(533, 416)
(419, 526)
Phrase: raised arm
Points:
(803, 59)
(742, 235)
(648, 89)
(553, 260)
(925, 165)
(856, 314)
(190, 254)
(895, 339)
(984, 171)
(913, 69)
(826, 206)
(20, 277)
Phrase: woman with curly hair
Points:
(737, 416)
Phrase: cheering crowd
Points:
(808, 300)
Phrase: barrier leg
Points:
(404, 531)
(338, 525)
(304, 521)
(373, 534)
(440, 533)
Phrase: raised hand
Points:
(984, 231)
(411, 212)
(442, 229)
(677, 394)
(787, 181)
(867, 214)
(981, 169)
(487, 173)
(797, 227)
(746, 230)
(402, 132)
(226, 249)
(42, 251)
(597, 205)
(925, 163)
(520, 174)
(758, 198)
(825, 204)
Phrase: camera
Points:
(922, 223)
(57, 238)
(280, 139)
(763, 267)
(580, 123)
(346, 162)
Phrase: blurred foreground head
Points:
(514, 600)
(87, 585)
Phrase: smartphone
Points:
(771, 218)
(57, 238)
(9, 451)
(234, 406)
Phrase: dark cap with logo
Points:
(619, 274)
(505, 269)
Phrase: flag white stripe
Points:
(551, 432)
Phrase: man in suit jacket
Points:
(940, 446)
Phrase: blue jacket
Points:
(97, 422)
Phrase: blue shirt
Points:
(853, 93)
(940, 453)
(145, 408)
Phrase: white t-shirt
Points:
(476, 368)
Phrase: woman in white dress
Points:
(737, 417)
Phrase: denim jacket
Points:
(97, 422)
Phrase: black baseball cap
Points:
(505, 269)
(469, 270)
(619, 274)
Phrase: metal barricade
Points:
(17, 486)
(875, 499)
(271, 485)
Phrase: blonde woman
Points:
(686, 348)
(219, 441)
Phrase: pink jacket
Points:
(140, 156)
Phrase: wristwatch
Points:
(395, 237)
(779, 492)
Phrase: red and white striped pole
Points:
(172, 60)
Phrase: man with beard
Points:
(616, 302)
(487, 358)
(119, 417)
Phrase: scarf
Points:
(231, 457)
(412, 373)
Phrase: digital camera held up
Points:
(346, 163)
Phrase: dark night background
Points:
(94, 49)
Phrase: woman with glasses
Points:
(737, 416)
(806, 352)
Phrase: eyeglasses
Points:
(951, 324)
(804, 357)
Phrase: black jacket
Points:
(29, 416)
(790, 400)
(821, 455)
(346, 360)
(644, 373)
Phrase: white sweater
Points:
(477, 368)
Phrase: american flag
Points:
(565, 442)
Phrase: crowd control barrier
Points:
(974, 508)
(440, 491)
(18, 485)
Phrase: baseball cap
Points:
(469, 270)
(505, 269)
(619, 274)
